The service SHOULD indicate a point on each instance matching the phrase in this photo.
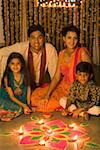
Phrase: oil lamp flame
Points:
(75, 138)
(42, 142)
(41, 121)
(20, 131)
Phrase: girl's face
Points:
(36, 41)
(15, 65)
(82, 77)
(70, 40)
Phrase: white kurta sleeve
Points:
(52, 58)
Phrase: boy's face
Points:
(82, 77)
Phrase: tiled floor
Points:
(9, 142)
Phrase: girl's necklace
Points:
(18, 83)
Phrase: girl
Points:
(46, 99)
(15, 91)
(84, 94)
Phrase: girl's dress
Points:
(8, 108)
(67, 70)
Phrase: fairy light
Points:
(56, 3)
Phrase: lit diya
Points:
(47, 115)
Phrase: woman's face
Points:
(70, 40)
(36, 40)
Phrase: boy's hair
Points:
(34, 28)
(85, 67)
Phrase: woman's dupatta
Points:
(31, 68)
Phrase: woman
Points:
(46, 99)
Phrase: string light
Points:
(59, 3)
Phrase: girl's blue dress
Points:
(8, 108)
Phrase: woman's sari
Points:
(68, 71)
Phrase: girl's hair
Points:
(34, 28)
(23, 67)
(71, 28)
(85, 67)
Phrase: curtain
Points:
(18, 15)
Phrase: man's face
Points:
(36, 40)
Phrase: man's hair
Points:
(85, 67)
(36, 28)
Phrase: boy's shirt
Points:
(84, 96)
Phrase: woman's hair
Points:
(85, 67)
(23, 67)
(34, 28)
(71, 28)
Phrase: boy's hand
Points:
(77, 112)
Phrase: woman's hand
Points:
(27, 110)
(43, 102)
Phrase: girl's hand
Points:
(9, 90)
(18, 91)
(27, 110)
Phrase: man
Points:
(39, 56)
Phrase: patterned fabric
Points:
(84, 96)
(66, 70)
(8, 108)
